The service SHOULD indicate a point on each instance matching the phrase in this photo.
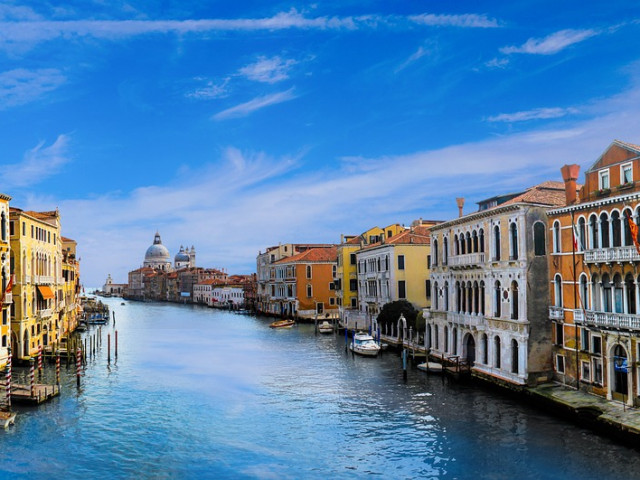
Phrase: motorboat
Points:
(364, 344)
(430, 367)
(325, 327)
(282, 324)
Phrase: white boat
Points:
(431, 367)
(364, 344)
(325, 327)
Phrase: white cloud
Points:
(415, 56)
(497, 63)
(257, 103)
(21, 86)
(469, 20)
(268, 70)
(37, 164)
(211, 90)
(551, 44)
(535, 114)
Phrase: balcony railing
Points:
(613, 254)
(466, 319)
(608, 319)
(42, 279)
(8, 298)
(556, 313)
(467, 261)
(45, 313)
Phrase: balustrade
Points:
(467, 260)
(608, 319)
(556, 313)
(614, 254)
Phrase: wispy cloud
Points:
(415, 56)
(37, 164)
(551, 44)
(535, 114)
(268, 70)
(257, 103)
(21, 86)
(23, 28)
(469, 20)
(212, 90)
(497, 63)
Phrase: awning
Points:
(46, 292)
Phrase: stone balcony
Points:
(45, 313)
(626, 321)
(43, 279)
(556, 313)
(611, 255)
(466, 319)
(469, 260)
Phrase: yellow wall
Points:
(5, 266)
(415, 272)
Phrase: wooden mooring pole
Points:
(78, 365)
(108, 348)
(116, 347)
(8, 380)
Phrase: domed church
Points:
(185, 258)
(157, 255)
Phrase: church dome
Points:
(181, 256)
(157, 253)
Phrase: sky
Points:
(234, 126)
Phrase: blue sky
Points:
(233, 126)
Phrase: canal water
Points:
(200, 393)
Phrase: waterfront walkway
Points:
(613, 417)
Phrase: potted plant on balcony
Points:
(602, 192)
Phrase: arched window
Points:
(458, 298)
(557, 290)
(604, 230)
(436, 337)
(513, 240)
(539, 239)
(435, 252)
(496, 243)
(514, 300)
(445, 251)
(626, 232)
(456, 246)
(3, 226)
(616, 229)
(582, 230)
(630, 300)
(557, 246)
(594, 232)
(463, 245)
(476, 298)
(618, 294)
(469, 243)
(446, 296)
(584, 292)
(446, 339)
(485, 349)
(475, 241)
(454, 341)
(514, 356)
(607, 303)
(482, 300)
(481, 240)
(497, 300)
(496, 345)
(596, 293)
(435, 295)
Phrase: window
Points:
(428, 288)
(557, 284)
(12, 230)
(353, 285)
(514, 356)
(496, 243)
(24, 228)
(496, 343)
(32, 232)
(332, 301)
(352, 258)
(584, 339)
(556, 237)
(319, 307)
(334, 270)
(513, 237)
(400, 262)
(585, 373)
(308, 271)
(497, 300)
(402, 289)
(559, 334)
(626, 173)
(428, 261)
(332, 286)
(597, 370)
(538, 239)
(604, 179)
(354, 303)
(559, 363)
(596, 345)
(309, 291)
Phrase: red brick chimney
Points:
(460, 202)
(570, 176)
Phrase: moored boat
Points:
(282, 324)
(325, 327)
(364, 344)
(431, 367)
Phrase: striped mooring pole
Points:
(78, 365)
(8, 380)
(58, 367)
(32, 377)
(40, 360)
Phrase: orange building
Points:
(302, 284)
(595, 280)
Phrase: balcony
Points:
(466, 319)
(43, 279)
(610, 255)
(625, 321)
(46, 313)
(26, 279)
(556, 313)
(8, 298)
(469, 260)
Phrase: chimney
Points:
(460, 202)
(570, 176)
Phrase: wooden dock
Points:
(22, 393)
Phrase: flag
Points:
(10, 285)
(577, 237)
(633, 228)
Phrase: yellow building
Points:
(5, 268)
(36, 262)
(346, 278)
(69, 304)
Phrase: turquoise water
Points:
(199, 393)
